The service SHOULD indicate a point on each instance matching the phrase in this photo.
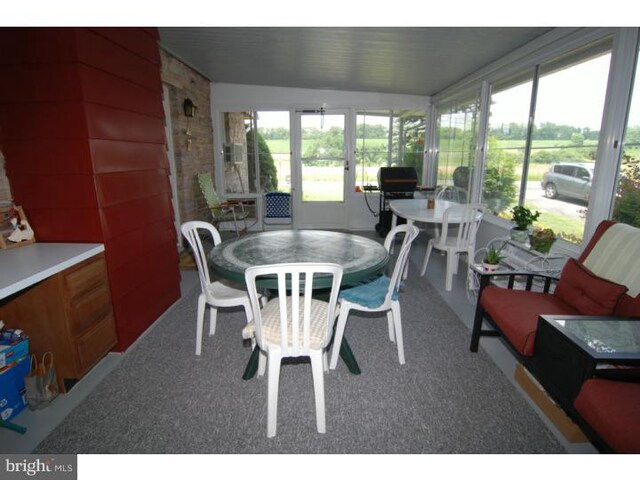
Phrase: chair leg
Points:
(337, 339)
(247, 311)
(397, 321)
(273, 361)
(452, 261)
(425, 262)
(262, 363)
(318, 388)
(213, 317)
(202, 305)
(390, 326)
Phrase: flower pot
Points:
(520, 236)
(490, 267)
(541, 245)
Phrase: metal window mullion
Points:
(614, 122)
(481, 143)
(529, 141)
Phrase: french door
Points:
(321, 165)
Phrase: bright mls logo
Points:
(63, 467)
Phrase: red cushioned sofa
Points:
(608, 410)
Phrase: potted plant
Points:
(491, 259)
(523, 217)
(542, 239)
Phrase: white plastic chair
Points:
(214, 294)
(379, 295)
(293, 326)
(467, 219)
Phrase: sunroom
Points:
(130, 117)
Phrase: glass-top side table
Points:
(569, 349)
(604, 338)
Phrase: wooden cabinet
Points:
(69, 314)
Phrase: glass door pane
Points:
(274, 151)
(372, 146)
(322, 157)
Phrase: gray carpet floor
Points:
(445, 399)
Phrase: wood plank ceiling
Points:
(415, 60)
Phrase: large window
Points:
(457, 135)
(256, 152)
(507, 144)
(388, 138)
(546, 161)
(627, 201)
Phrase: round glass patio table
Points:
(361, 258)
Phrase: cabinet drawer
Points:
(86, 276)
(96, 342)
(88, 309)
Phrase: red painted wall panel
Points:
(46, 120)
(120, 156)
(111, 124)
(105, 89)
(84, 144)
(66, 192)
(135, 244)
(58, 225)
(23, 83)
(125, 187)
(140, 308)
(37, 45)
(47, 157)
(126, 217)
(141, 269)
(99, 52)
(136, 40)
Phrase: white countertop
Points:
(22, 267)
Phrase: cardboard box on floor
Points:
(554, 413)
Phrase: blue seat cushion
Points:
(370, 294)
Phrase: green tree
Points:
(499, 184)
(268, 170)
(627, 205)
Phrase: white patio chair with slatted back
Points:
(465, 221)
(293, 324)
(214, 294)
(379, 295)
(222, 212)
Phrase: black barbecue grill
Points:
(394, 183)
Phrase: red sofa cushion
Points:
(516, 313)
(628, 306)
(587, 293)
(612, 409)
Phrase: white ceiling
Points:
(416, 60)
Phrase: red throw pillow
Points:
(587, 293)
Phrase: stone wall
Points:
(193, 153)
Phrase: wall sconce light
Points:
(189, 108)
(189, 111)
